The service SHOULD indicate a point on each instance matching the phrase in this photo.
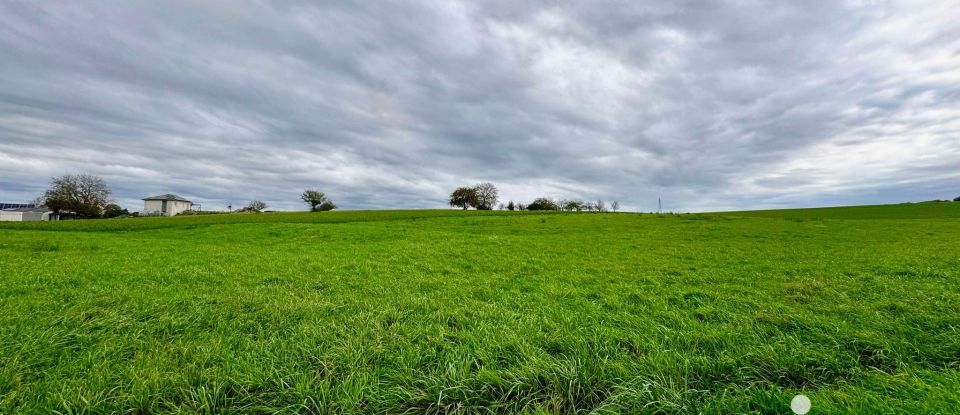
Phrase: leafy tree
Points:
(486, 196)
(543, 203)
(957, 199)
(256, 205)
(573, 205)
(511, 206)
(317, 200)
(615, 206)
(114, 210)
(463, 197)
(86, 195)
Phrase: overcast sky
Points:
(714, 105)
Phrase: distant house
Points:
(165, 205)
(24, 214)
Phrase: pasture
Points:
(484, 312)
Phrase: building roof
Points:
(16, 205)
(30, 209)
(167, 196)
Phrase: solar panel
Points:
(16, 205)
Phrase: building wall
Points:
(175, 207)
(10, 216)
(151, 207)
(32, 216)
(154, 207)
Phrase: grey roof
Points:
(167, 196)
(43, 209)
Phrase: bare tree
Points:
(486, 196)
(463, 197)
(256, 205)
(600, 206)
(85, 194)
(615, 206)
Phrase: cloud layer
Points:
(714, 105)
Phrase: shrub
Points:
(114, 210)
(325, 206)
(543, 203)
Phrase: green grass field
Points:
(484, 312)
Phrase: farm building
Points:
(165, 205)
(24, 214)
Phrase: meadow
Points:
(484, 312)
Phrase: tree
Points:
(615, 206)
(543, 203)
(957, 199)
(256, 205)
(573, 205)
(511, 206)
(317, 200)
(463, 197)
(486, 196)
(114, 210)
(86, 195)
(521, 206)
(599, 206)
(501, 207)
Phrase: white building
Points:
(24, 214)
(166, 205)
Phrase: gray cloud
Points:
(713, 105)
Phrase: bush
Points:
(543, 203)
(113, 211)
(325, 206)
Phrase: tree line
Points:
(87, 197)
(484, 196)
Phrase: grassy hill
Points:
(924, 210)
(503, 312)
